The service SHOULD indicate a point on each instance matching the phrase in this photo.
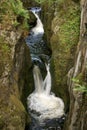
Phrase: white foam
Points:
(38, 29)
(41, 100)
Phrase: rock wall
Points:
(15, 70)
(66, 29)
(64, 39)
(77, 119)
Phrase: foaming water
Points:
(38, 29)
(46, 110)
(42, 101)
(38, 48)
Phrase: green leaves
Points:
(18, 8)
(19, 11)
(78, 86)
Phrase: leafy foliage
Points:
(78, 86)
(18, 9)
(10, 10)
(4, 49)
(69, 29)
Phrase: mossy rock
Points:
(13, 115)
(66, 28)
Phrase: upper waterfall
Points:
(38, 29)
(38, 48)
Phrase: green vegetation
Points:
(4, 49)
(19, 10)
(66, 27)
(13, 12)
(69, 28)
(4, 54)
(12, 16)
(49, 1)
(81, 87)
(12, 115)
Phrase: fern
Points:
(19, 10)
(78, 86)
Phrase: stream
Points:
(45, 109)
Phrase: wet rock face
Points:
(77, 119)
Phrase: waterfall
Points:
(42, 86)
(38, 48)
(38, 81)
(42, 100)
(42, 103)
(47, 81)
(38, 29)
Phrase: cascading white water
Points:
(42, 100)
(47, 81)
(38, 81)
(38, 29)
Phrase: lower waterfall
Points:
(42, 100)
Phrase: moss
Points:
(4, 54)
(10, 11)
(4, 47)
(69, 29)
(17, 103)
(12, 115)
(12, 112)
(80, 83)
(65, 26)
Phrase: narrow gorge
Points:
(43, 65)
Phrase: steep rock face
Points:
(65, 27)
(14, 70)
(77, 119)
(12, 111)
